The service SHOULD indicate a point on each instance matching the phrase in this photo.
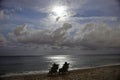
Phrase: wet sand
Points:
(98, 73)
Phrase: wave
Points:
(44, 72)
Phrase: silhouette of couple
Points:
(55, 67)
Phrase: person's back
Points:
(53, 65)
(66, 66)
(54, 68)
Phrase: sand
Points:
(98, 73)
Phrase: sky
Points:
(59, 24)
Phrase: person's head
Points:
(65, 62)
(54, 64)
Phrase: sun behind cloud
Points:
(59, 11)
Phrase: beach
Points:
(111, 72)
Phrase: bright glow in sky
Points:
(59, 11)
(60, 23)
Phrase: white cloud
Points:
(88, 35)
(1, 14)
(44, 6)
(2, 40)
(25, 35)
(98, 35)
(72, 33)
(110, 18)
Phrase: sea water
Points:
(13, 64)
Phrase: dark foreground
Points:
(99, 73)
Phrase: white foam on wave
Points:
(96, 66)
(23, 73)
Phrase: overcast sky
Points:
(59, 23)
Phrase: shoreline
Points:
(46, 71)
(106, 71)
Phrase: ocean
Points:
(18, 64)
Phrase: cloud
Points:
(44, 6)
(95, 19)
(93, 35)
(24, 34)
(1, 14)
(2, 40)
(101, 8)
(98, 35)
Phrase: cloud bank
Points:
(89, 35)
(2, 40)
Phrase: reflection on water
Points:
(59, 59)
(44, 62)
(82, 61)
